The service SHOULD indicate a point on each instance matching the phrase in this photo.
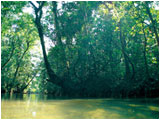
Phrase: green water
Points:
(48, 107)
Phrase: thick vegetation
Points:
(99, 49)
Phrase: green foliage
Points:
(18, 36)
(101, 49)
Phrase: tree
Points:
(99, 49)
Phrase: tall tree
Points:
(38, 12)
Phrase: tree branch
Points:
(40, 6)
(29, 81)
(33, 5)
(9, 57)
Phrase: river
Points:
(18, 106)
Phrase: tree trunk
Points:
(153, 22)
(144, 52)
(38, 12)
(58, 36)
(126, 57)
(19, 62)
(123, 46)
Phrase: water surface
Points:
(48, 107)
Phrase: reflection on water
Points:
(48, 107)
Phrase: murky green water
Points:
(47, 107)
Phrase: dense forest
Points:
(80, 49)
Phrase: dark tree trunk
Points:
(58, 36)
(144, 52)
(153, 22)
(52, 76)
(126, 57)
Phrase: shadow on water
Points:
(49, 107)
